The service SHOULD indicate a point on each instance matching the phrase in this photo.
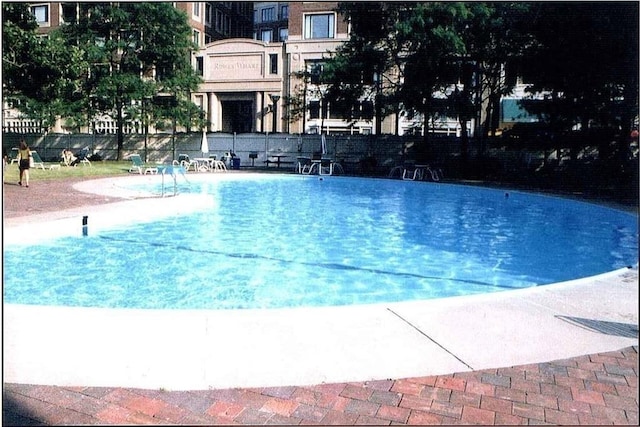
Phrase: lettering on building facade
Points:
(235, 67)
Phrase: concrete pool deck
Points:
(558, 354)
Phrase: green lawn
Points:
(97, 169)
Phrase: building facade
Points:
(242, 85)
(227, 20)
(257, 61)
(271, 21)
(249, 85)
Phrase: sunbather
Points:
(68, 158)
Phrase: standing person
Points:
(24, 155)
(4, 163)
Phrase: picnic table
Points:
(278, 159)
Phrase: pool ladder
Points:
(173, 170)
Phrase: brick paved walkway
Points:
(595, 389)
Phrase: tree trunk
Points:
(464, 143)
(119, 123)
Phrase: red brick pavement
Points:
(594, 389)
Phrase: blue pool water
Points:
(287, 241)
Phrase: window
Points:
(315, 70)
(266, 35)
(128, 38)
(196, 37)
(338, 111)
(366, 111)
(41, 12)
(273, 63)
(196, 9)
(268, 14)
(314, 109)
(283, 34)
(200, 65)
(69, 13)
(200, 102)
(208, 18)
(223, 22)
(319, 26)
(284, 12)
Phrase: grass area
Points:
(96, 170)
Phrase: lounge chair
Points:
(14, 155)
(410, 171)
(320, 165)
(309, 166)
(216, 165)
(138, 166)
(37, 161)
(83, 155)
(303, 163)
(184, 161)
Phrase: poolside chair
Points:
(412, 172)
(217, 165)
(138, 166)
(303, 164)
(14, 155)
(37, 161)
(314, 162)
(326, 166)
(187, 163)
(83, 155)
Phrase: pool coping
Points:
(203, 349)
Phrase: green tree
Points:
(415, 51)
(495, 37)
(364, 68)
(38, 73)
(19, 44)
(589, 77)
(133, 53)
(429, 59)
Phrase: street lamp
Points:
(274, 100)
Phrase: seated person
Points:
(68, 158)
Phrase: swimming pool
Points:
(288, 241)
